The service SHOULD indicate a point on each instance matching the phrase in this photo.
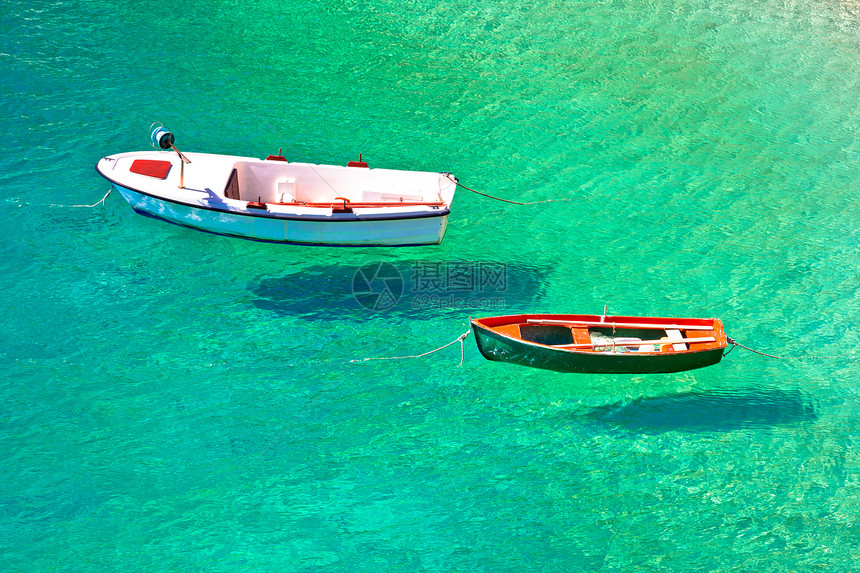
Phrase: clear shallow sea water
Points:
(172, 400)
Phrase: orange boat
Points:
(589, 343)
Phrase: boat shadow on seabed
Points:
(719, 410)
(400, 289)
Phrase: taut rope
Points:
(506, 200)
(734, 343)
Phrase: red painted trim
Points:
(508, 326)
(366, 205)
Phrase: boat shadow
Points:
(716, 411)
(402, 289)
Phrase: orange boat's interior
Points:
(592, 333)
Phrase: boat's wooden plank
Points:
(695, 340)
(580, 335)
(655, 325)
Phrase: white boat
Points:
(279, 201)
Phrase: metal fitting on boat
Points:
(162, 138)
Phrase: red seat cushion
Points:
(151, 168)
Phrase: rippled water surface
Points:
(173, 400)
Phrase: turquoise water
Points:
(177, 401)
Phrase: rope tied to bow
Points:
(87, 206)
(96, 204)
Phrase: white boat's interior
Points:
(282, 182)
(274, 182)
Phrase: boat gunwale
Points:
(334, 217)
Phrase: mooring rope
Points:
(87, 206)
(506, 200)
(96, 204)
(734, 343)
(459, 339)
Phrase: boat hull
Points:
(324, 231)
(497, 347)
